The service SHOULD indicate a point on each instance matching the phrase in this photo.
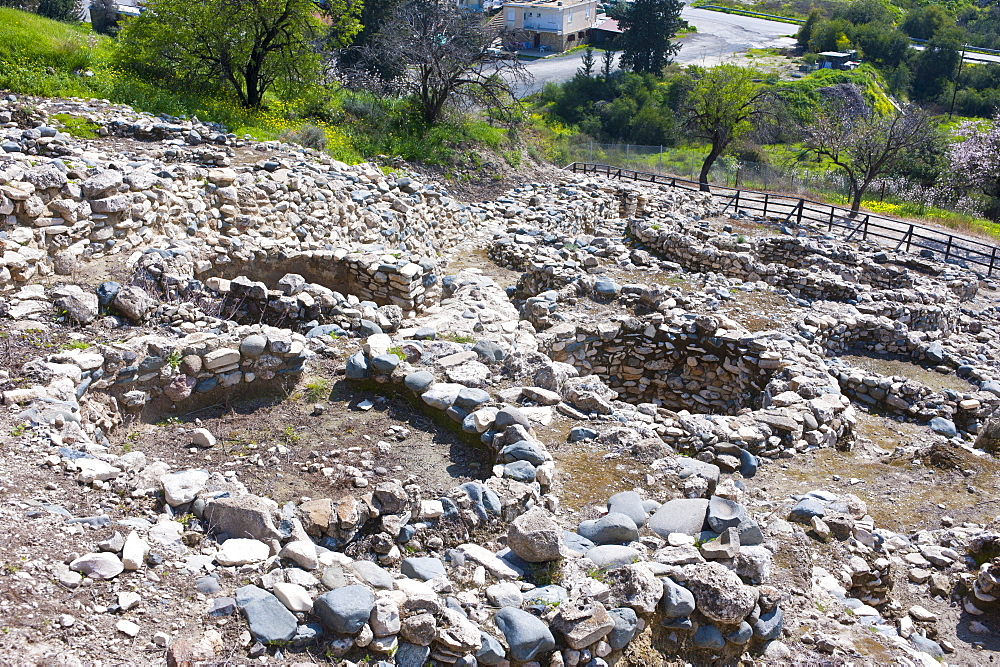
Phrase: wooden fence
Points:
(975, 255)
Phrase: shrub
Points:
(318, 389)
(307, 136)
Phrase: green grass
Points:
(913, 211)
(48, 43)
(317, 389)
(81, 128)
(730, 8)
(457, 338)
(47, 58)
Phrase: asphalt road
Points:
(719, 37)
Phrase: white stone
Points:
(95, 469)
(431, 509)
(680, 540)
(303, 552)
(384, 620)
(240, 551)
(128, 600)
(166, 532)
(98, 565)
(487, 559)
(128, 627)
(202, 437)
(377, 344)
(541, 415)
(293, 596)
(134, 552)
(183, 487)
(221, 358)
(484, 418)
(922, 614)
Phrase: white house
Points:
(554, 24)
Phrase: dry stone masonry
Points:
(241, 263)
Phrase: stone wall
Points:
(806, 268)
(903, 396)
(91, 386)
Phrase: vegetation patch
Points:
(78, 127)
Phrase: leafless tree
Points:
(866, 145)
(443, 56)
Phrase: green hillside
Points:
(39, 56)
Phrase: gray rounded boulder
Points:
(682, 515)
(677, 601)
(345, 609)
(630, 503)
(611, 528)
(527, 636)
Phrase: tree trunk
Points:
(706, 166)
(252, 82)
(856, 202)
(859, 192)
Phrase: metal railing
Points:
(854, 226)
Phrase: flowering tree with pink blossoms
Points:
(975, 163)
(864, 146)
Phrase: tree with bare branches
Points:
(443, 57)
(866, 145)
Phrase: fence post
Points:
(831, 220)
(736, 207)
(993, 258)
(909, 238)
(798, 216)
(765, 205)
(947, 250)
(864, 233)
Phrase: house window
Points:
(569, 17)
(511, 15)
(586, 13)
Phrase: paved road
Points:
(719, 37)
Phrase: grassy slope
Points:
(42, 57)
(48, 43)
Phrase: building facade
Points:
(556, 25)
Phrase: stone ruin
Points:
(243, 270)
